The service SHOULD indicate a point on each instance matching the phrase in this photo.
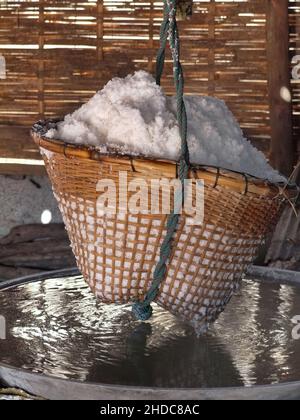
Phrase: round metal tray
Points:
(63, 344)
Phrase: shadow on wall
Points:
(32, 237)
(26, 200)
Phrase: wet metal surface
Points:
(56, 327)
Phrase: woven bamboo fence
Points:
(59, 52)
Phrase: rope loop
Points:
(169, 32)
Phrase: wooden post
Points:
(41, 65)
(211, 52)
(283, 148)
(151, 38)
(100, 31)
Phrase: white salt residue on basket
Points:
(133, 116)
(47, 153)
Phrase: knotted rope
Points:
(169, 31)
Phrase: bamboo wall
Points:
(59, 52)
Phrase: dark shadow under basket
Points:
(118, 253)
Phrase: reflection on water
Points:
(57, 327)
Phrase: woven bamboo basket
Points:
(118, 253)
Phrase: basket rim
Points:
(215, 174)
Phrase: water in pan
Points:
(56, 327)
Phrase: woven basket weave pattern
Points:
(118, 253)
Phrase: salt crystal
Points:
(47, 153)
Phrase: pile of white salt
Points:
(135, 117)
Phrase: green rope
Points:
(169, 31)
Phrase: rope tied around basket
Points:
(169, 31)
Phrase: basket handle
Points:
(169, 31)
